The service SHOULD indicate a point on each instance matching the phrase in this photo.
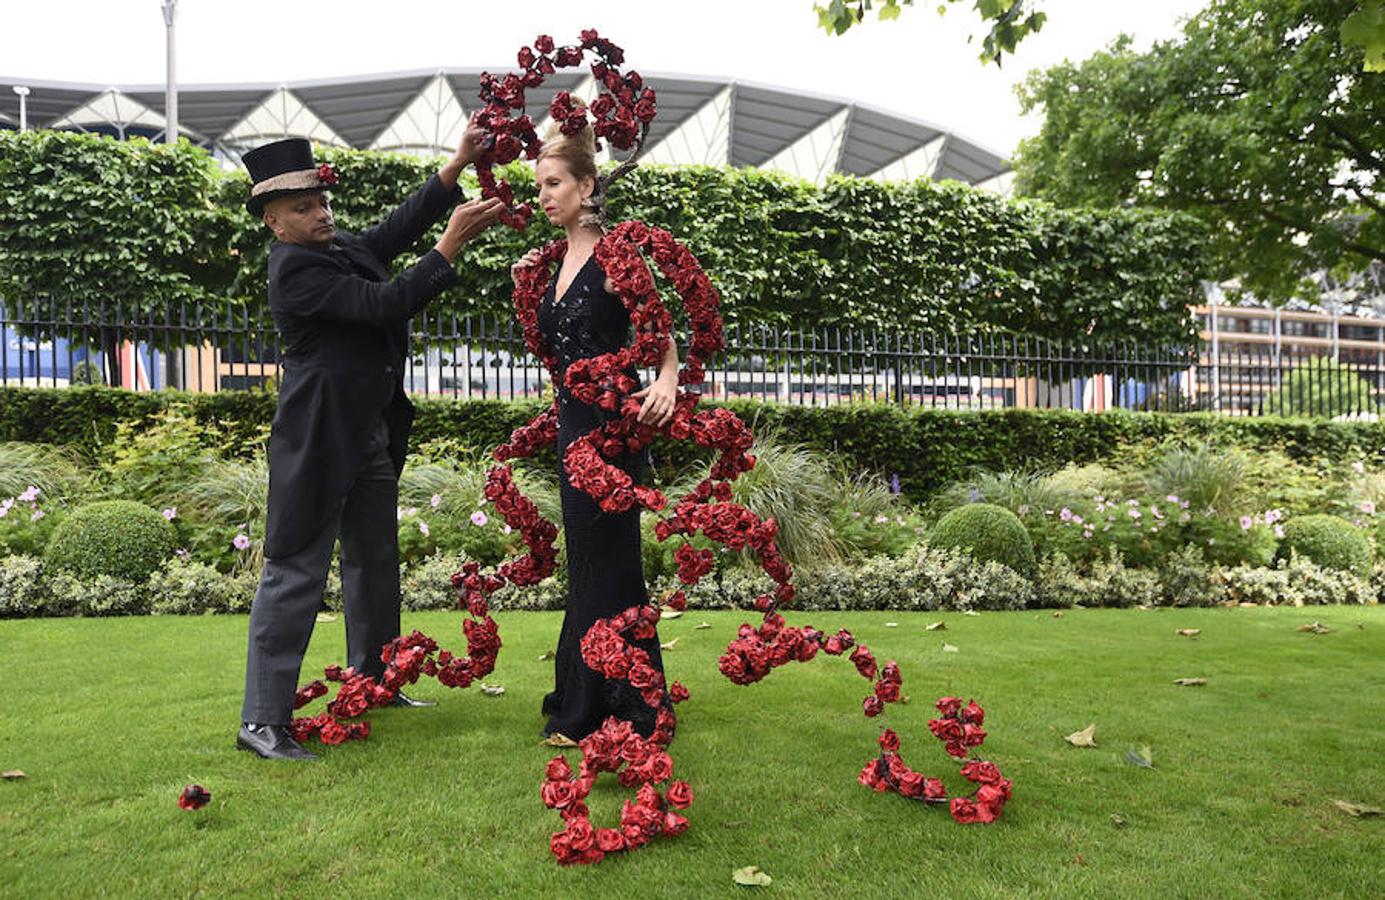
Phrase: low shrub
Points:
(1295, 582)
(1330, 542)
(923, 579)
(22, 589)
(119, 538)
(189, 587)
(989, 533)
(428, 585)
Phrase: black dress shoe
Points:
(403, 699)
(271, 742)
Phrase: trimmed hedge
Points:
(119, 538)
(1330, 542)
(926, 448)
(989, 533)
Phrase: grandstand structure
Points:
(702, 120)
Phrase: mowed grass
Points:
(110, 718)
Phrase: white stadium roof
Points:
(701, 120)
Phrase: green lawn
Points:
(110, 718)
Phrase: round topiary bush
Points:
(1328, 541)
(989, 533)
(120, 538)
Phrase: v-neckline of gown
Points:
(559, 298)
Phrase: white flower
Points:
(170, 513)
(506, 529)
(1023, 510)
(479, 518)
(1211, 541)
(1358, 468)
(30, 494)
(1133, 513)
(1368, 507)
(436, 501)
(1279, 532)
(423, 527)
(5, 507)
(1154, 511)
(881, 520)
(398, 513)
(1132, 502)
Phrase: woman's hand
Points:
(659, 402)
(529, 259)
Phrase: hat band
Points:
(301, 180)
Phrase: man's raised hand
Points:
(466, 222)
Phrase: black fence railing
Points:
(54, 344)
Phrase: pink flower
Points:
(423, 527)
(170, 513)
(240, 542)
(38, 514)
(1368, 507)
(5, 507)
(1246, 522)
(1279, 531)
(506, 529)
(30, 494)
(436, 501)
(1172, 498)
(479, 518)
(1133, 512)
(1065, 514)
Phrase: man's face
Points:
(304, 218)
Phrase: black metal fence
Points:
(53, 344)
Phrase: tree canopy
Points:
(1010, 20)
(1259, 120)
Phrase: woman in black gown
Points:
(580, 318)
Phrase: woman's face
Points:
(560, 194)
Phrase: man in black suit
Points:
(341, 429)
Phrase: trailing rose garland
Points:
(708, 509)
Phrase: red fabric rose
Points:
(194, 796)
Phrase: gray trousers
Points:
(289, 595)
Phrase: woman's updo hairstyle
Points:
(578, 153)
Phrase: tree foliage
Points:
(1012, 20)
(1258, 120)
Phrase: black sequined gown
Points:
(605, 570)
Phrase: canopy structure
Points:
(705, 120)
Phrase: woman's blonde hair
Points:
(578, 153)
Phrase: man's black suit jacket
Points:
(344, 326)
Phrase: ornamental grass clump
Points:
(1330, 542)
(989, 533)
(119, 538)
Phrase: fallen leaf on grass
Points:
(1058, 614)
(1190, 682)
(1078, 860)
(1118, 820)
(13, 775)
(970, 612)
(1246, 604)
(547, 654)
(670, 645)
(491, 690)
(1143, 606)
(1315, 628)
(701, 626)
(668, 612)
(1356, 809)
(1189, 632)
(948, 648)
(935, 626)
(326, 617)
(1084, 738)
(891, 624)
(751, 876)
(1141, 756)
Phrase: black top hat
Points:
(284, 167)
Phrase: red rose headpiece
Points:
(621, 113)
